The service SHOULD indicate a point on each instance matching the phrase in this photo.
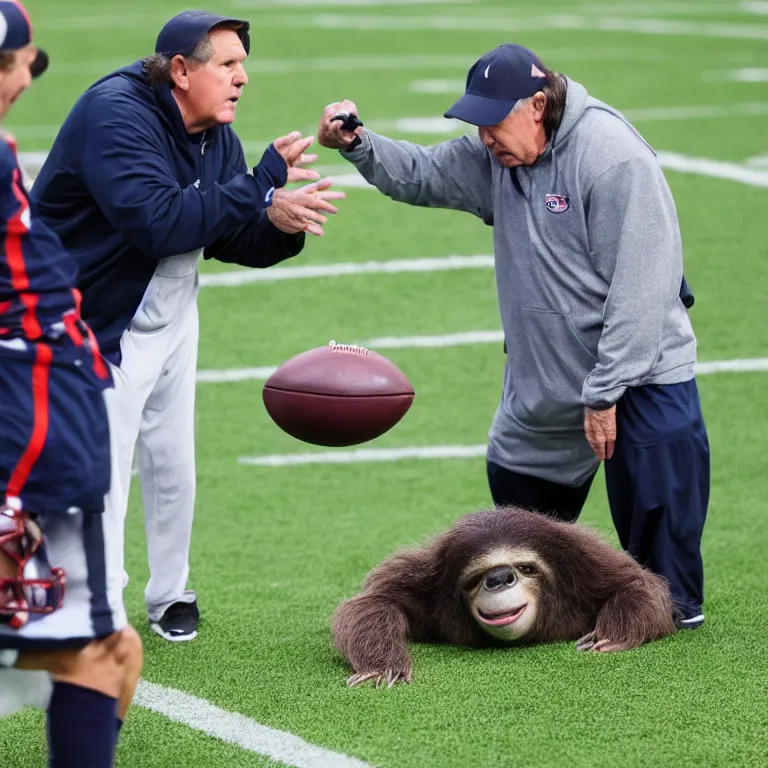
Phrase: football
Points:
(337, 395)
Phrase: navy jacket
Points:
(125, 185)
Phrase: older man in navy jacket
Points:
(145, 176)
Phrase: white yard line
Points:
(563, 21)
(744, 365)
(703, 112)
(366, 455)
(443, 341)
(241, 277)
(438, 125)
(438, 86)
(259, 5)
(702, 166)
(748, 75)
(237, 729)
(758, 7)
(670, 8)
(361, 62)
(384, 342)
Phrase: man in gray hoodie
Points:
(589, 270)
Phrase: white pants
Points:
(152, 408)
(22, 688)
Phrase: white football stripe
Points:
(242, 277)
(237, 729)
(442, 341)
(512, 23)
(259, 5)
(749, 75)
(702, 166)
(366, 455)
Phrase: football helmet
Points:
(20, 540)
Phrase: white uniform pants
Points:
(22, 688)
(152, 408)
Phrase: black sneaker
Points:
(693, 622)
(179, 622)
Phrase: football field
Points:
(285, 531)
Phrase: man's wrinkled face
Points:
(216, 86)
(519, 138)
(16, 77)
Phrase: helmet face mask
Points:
(20, 540)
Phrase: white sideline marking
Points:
(745, 365)
(235, 374)
(443, 341)
(366, 455)
(669, 8)
(759, 161)
(477, 23)
(704, 112)
(288, 66)
(385, 342)
(243, 276)
(447, 451)
(439, 125)
(237, 729)
(752, 175)
(262, 4)
(749, 75)
(365, 62)
(434, 342)
(702, 166)
(437, 86)
(759, 7)
(350, 181)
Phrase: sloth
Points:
(502, 577)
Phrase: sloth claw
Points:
(607, 645)
(385, 679)
(587, 642)
(590, 643)
(357, 679)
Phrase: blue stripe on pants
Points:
(93, 542)
(658, 483)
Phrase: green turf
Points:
(275, 550)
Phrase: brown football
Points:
(337, 395)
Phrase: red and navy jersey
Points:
(37, 275)
(38, 300)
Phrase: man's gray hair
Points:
(554, 87)
(158, 66)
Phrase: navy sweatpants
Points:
(658, 485)
(657, 482)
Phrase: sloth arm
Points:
(371, 630)
(637, 613)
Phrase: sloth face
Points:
(502, 590)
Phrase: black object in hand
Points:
(350, 123)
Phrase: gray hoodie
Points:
(588, 270)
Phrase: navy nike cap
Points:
(184, 31)
(496, 82)
(16, 33)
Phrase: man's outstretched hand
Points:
(292, 148)
(303, 209)
(329, 131)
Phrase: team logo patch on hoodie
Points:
(556, 203)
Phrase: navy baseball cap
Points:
(496, 82)
(16, 33)
(184, 31)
